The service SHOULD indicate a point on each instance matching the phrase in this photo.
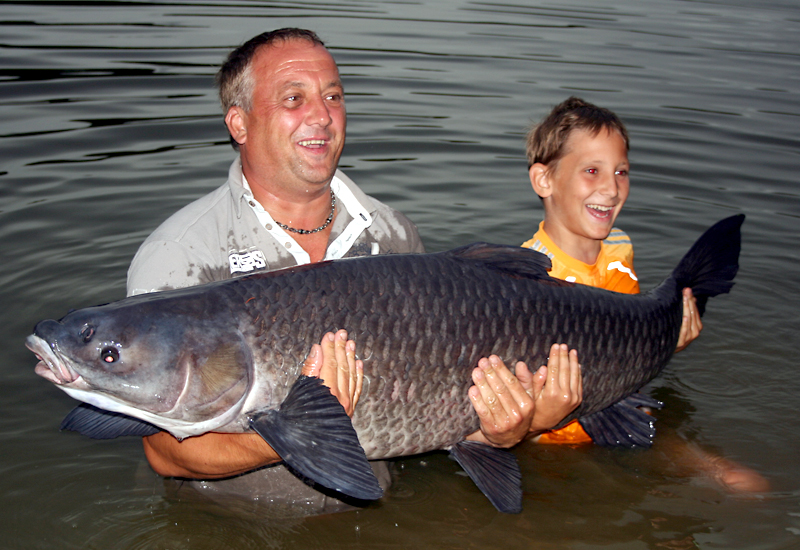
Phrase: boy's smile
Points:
(584, 192)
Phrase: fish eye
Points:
(109, 355)
(86, 333)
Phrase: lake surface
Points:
(109, 123)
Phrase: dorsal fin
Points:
(514, 261)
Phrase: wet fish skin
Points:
(422, 323)
(208, 358)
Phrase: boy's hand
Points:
(560, 388)
(504, 402)
(334, 361)
(691, 325)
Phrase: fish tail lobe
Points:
(711, 264)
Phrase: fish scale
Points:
(410, 366)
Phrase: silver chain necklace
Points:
(318, 229)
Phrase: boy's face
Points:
(584, 193)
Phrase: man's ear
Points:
(236, 122)
(540, 180)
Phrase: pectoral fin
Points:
(313, 434)
(494, 471)
(97, 423)
(623, 424)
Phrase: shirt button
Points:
(269, 227)
(251, 203)
(288, 245)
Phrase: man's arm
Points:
(217, 455)
(512, 408)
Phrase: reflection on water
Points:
(109, 123)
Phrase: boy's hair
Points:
(546, 142)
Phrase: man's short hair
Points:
(546, 142)
(235, 77)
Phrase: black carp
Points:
(226, 356)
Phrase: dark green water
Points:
(109, 123)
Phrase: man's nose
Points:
(318, 113)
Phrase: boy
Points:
(578, 165)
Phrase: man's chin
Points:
(318, 176)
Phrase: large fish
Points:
(226, 356)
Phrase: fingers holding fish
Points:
(334, 362)
(313, 362)
(691, 325)
(502, 402)
(350, 371)
(562, 391)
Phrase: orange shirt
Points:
(613, 270)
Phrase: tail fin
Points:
(711, 264)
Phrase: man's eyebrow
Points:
(301, 84)
(292, 84)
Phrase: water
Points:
(109, 123)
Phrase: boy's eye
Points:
(621, 172)
(591, 170)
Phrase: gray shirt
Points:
(227, 234)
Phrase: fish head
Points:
(160, 361)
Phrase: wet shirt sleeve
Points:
(164, 265)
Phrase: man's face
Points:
(294, 133)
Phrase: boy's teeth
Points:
(600, 207)
(308, 142)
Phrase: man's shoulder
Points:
(199, 214)
(396, 232)
(391, 231)
(185, 249)
(386, 212)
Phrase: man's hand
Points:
(562, 391)
(334, 362)
(691, 325)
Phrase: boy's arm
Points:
(512, 408)
(691, 324)
(217, 455)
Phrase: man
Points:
(284, 204)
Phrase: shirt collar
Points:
(354, 201)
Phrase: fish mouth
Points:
(51, 366)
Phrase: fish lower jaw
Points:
(50, 365)
(60, 375)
